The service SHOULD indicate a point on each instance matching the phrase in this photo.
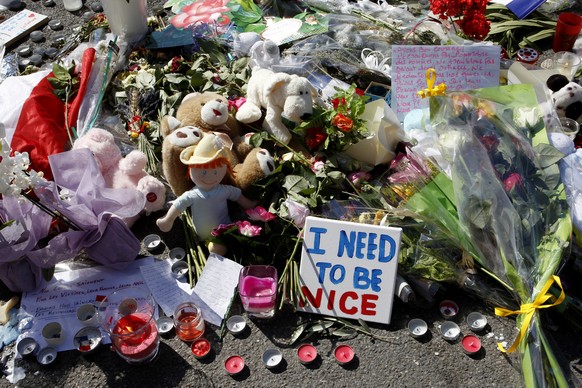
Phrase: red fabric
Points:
(41, 126)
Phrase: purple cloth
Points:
(96, 209)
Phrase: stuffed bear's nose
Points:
(306, 116)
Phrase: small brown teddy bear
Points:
(198, 114)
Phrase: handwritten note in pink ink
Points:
(459, 67)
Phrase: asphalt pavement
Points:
(397, 361)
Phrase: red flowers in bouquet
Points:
(343, 123)
(470, 15)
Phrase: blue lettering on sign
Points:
(317, 250)
(364, 280)
(334, 276)
(365, 245)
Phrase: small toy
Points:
(566, 97)
(208, 163)
(280, 94)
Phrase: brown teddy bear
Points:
(199, 114)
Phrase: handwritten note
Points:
(459, 67)
(213, 291)
(59, 299)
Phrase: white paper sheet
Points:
(59, 299)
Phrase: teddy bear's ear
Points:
(556, 82)
(275, 82)
(169, 124)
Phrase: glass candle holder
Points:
(188, 322)
(257, 288)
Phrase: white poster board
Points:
(348, 269)
(458, 67)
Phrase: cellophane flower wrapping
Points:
(511, 214)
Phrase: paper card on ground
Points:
(20, 25)
(58, 299)
(459, 67)
(212, 293)
(348, 269)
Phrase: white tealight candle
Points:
(272, 358)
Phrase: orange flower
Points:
(343, 123)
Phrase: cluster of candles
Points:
(451, 331)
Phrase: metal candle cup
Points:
(177, 253)
(272, 358)
(307, 354)
(46, 356)
(87, 315)
(52, 333)
(471, 344)
(448, 309)
(476, 321)
(27, 346)
(165, 325)
(87, 340)
(152, 242)
(417, 327)
(450, 331)
(234, 365)
(236, 324)
(179, 269)
(344, 354)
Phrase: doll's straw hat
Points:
(209, 148)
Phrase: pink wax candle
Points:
(344, 354)
(135, 336)
(234, 365)
(258, 294)
(471, 344)
(307, 353)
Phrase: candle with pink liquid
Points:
(257, 288)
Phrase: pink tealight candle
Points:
(307, 353)
(344, 354)
(234, 365)
(471, 344)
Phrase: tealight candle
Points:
(35, 59)
(46, 356)
(87, 340)
(36, 36)
(24, 51)
(87, 16)
(201, 349)
(234, 365)
(179, 269)
(236, 324)
(51, 52)
(476, 321)
(307, 354)
(471, 344)
(450, 331)
(96, 7)
(417, 327)
(177, 253)
(448, 309)
(165, 325)
(152, 242)
(344, 354)
(272, 358)
(27, 346)
(48, 3)
(55, 25)
(52, 333)
(87, 314)
(39, 51)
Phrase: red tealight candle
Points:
(471, 344)
(344, 354)
(200, 348)
(234, 365)
(307, 353)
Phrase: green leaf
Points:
(343, 332)
(480, 212)
(60, 72)
(547, 155)
(364, 326)
(298, 332)
(296, 183)
(319, 326)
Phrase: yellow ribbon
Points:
(439, 90)
(529, 309)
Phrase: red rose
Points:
(513, 180)
(337, 102)
(490, 142)
(314, 137)
(343, 123)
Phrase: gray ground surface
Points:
(401, 361)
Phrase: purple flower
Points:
(358, 177)
(297, 212)
(247, 229)
(260, 214)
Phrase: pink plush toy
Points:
(123, 173)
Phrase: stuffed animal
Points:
(123, 172)
(280, 94)
(200, 114)
(566, 97)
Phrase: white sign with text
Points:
(348, 269)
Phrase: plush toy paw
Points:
(266, 161)
(154, 191)
(248, 113)
(134, 163)
(185, 136)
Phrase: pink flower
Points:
(358, 177)
(297, 212)
(236, 103)
(220, 229)
(247, 229)
(206, 11)
(260, 214)
(513, 180)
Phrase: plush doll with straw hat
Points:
(208, 163)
